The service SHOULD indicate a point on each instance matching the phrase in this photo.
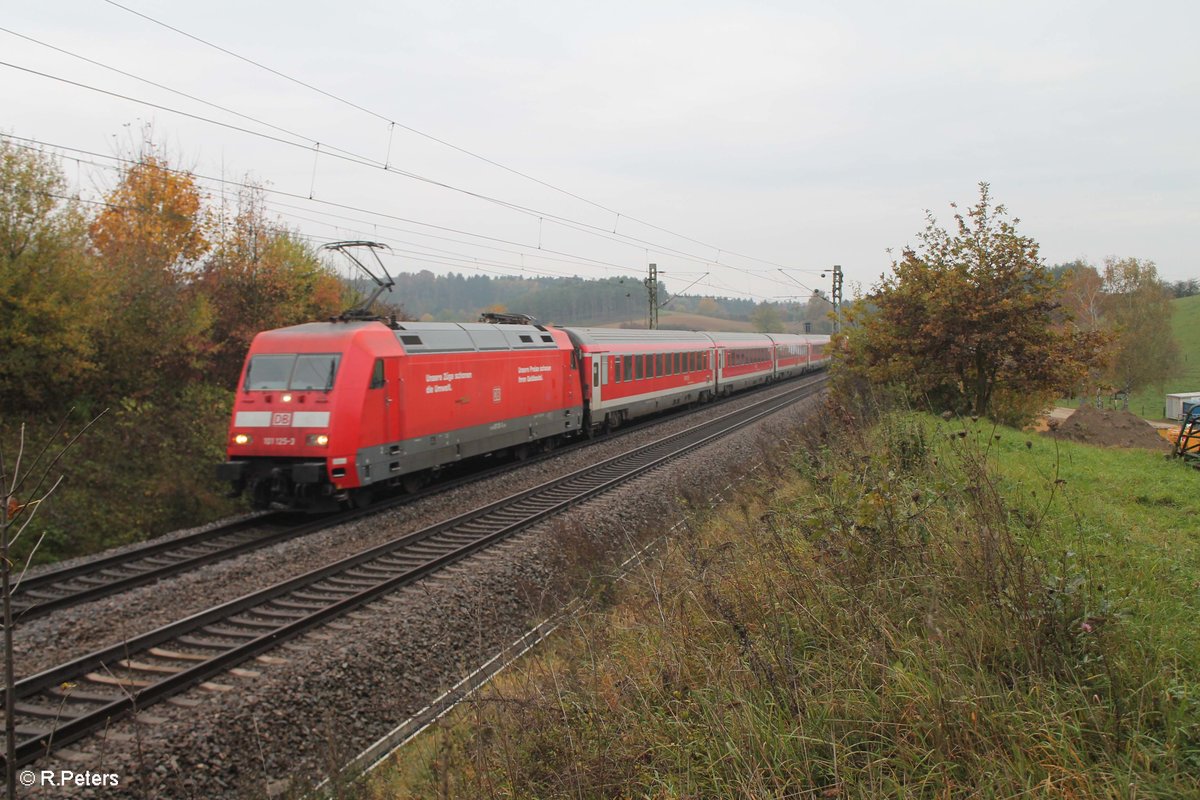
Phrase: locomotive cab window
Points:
(269, 372)
(291, 371)
(314, 372)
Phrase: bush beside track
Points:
(914, 609)
(144, 470)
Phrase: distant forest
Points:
(575, 301)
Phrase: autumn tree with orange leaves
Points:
(147, 309)
(149, 237)
(969, 321)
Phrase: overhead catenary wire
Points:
(347, 156)
(459, 263)
(538, 255)
(393, 123)
(797, 282)
(466, 260)
(438, 256)
(463, 261)
(158, 85)
(581, 227)
(608, 265)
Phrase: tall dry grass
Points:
(874, 616)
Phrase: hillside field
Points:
(1149, 402)
(1185, 323)
(683, 321)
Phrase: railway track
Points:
(38, 595)
(70, 701)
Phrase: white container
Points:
(1175, 403)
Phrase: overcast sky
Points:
(754, 135)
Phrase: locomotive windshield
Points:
(295, 372)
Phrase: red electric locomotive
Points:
(326, 411)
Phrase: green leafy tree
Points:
(47, 307)
(767, 318)
(1137, 305)
(1188, 288)
(818, 311)
(969, 319)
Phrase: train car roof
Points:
(458, 337)
(626, 336)
(810, 338)
(324, 332)
(739, 337)
(418, 337)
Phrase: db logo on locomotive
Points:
(281, 418)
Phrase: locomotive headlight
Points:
(242, 438)
(318, 439)
(287, 398)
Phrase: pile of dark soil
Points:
(1092, 425)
